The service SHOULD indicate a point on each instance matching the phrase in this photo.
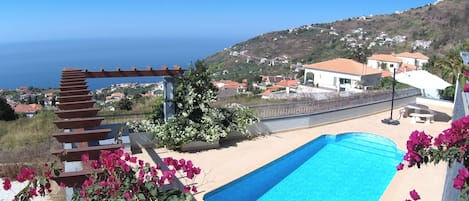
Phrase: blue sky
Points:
(32, 20)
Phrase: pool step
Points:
(371, 143)
(371, 147)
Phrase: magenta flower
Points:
(186, 189)
(400, 166)
(417, 141)
(32, 192)
(414, 195)
(7, 184)
(458, 183)
(194, 189)
(83, 193)
(85, 158)
(25, 174)
(464, 173)
(460, 180)
(103, 183)
(127, 195)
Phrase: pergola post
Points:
(169, 108)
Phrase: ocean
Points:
(40, 63)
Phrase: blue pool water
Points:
(350, 166)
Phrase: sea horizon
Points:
(40, 63)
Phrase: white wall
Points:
(377, 64)
(373, 63)
(407, 60)
(331, 79)
(421, 62)
(413, 61)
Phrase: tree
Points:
(360, 53)
(195, 119)
(53, 101)
(384, 66)
(157, 115)
(125, 104)
(30, 100)
(137, 96)
(6, 112)
(449, 67)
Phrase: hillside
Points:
(432, 29)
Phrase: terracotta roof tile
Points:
(386, 73)
(228, 84)
(415, 55)
(347, 66)
(288, 83)
(406, 67)
(385, 57)
(118, 94)
(267, 92)
(31, 108)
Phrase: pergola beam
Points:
(134, 72)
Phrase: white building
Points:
(342, 74)
(384, 62)
(416, 58)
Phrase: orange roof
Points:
(118, 94)
(228, 84)
(415, 55)
(31, 108)
(347, 66)
(274, 79)
(385, 57)
(267, 92)
(22, 88)
(406, 67)
(386, 73)
(288, 83)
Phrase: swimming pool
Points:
(349, 166)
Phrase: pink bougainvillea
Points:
(117, 176)
(414, 195)
(450, 145)
(7, 184)
(123, 176)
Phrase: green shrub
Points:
(195, 118)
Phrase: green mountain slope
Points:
(431, 29)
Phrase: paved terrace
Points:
(232, 161)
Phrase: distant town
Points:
(324, 77)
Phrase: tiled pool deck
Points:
(225, 164)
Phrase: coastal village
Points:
(336, 75)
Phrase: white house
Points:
(416, 58)
(342, 74)
(384, 62)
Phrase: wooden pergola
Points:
(78, 121)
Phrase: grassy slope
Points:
(25, 131)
